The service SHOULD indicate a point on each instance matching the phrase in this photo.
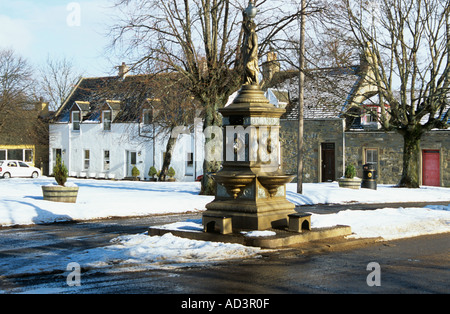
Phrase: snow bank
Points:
(389, 223)
(165, 250)
(331, 193)
(21, 201)
(140, 252)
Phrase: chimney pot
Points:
(123, 70)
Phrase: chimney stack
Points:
(123, 70)
(41, 107)
(270, 67)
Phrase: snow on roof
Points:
(326, 93)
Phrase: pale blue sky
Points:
(76, 30)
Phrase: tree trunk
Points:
(167, 157)
(212, 146)
(208, 184)
(411, 155)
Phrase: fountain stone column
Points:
(251, 186)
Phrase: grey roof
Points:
(327, 92)
(125, 96)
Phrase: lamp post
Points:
(301, 84)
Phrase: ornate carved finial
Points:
(250, 46)
(250, 11)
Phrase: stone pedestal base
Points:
(247, 215)
(299, 222)
(220, 223)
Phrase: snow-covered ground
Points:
(21, 203)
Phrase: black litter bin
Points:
(369, 177)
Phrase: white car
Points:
(17, 168)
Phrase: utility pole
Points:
(301, 83)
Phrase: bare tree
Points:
(21, 120)
(323, 56)
(200, 40)
(174, 111)
(15, 83)
(407, 46)
(56, 80)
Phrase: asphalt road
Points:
(416, 265)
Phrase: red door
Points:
(430, 168)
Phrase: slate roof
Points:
(125, 96)
(327, 94)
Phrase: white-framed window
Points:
(86, 159)
(190, 159)
(190, 164)
(28, 154)
(106, 118)
(76, 120)
(106, 160)
(371, 116)
(147, 116)
(371, 155)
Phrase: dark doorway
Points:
(328, 162)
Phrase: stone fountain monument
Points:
(251, 186)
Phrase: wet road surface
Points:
(417, 265)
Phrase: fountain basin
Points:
(234, 183)
(272, 183)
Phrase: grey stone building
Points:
(339, 131)
(329, 146)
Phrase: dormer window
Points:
(371, 114)
(147, 116)
(76, 120)
(106, 118)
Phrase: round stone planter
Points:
(57, 193)
(350, 183)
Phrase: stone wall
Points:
(316, 132)
(387, 145)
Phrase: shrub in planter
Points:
(152, 173)
(60, 171)
(171, 174)
(350, 171)
(349, 180)
(135, 172)
(60, 192)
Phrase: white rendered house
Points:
(104, 129)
